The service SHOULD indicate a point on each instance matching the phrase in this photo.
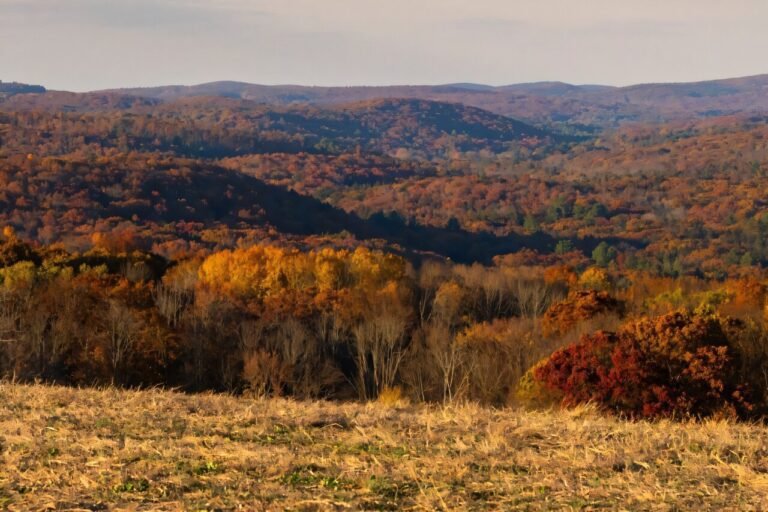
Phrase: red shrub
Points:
(678, 364)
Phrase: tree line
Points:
(356, 323)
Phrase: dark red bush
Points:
(678, 364)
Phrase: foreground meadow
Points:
(74, 449)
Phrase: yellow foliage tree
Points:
(261, 271)
(595, 278)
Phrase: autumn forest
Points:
(531, 245)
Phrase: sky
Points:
(96, 44)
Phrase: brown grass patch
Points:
(68, 449)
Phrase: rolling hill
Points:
(544, 102)
(574, 108)
(218, 127)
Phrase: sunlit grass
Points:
(67, 449)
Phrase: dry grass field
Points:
(67, 449)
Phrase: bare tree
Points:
(533, 296)
(446, 353)
(11, 310)
(287, 353)
(379, 340)
(429, 278)
(174, 295)
(12, 307)
(487, 372)
(490, 294)
(122, 331)
(42, 349)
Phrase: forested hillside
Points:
(213, 127)
(391, 247)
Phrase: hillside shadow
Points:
(297, 214)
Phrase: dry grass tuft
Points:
(392, 397)
(67, 449)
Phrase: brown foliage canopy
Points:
(580, 305)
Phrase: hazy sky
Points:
(93, 44)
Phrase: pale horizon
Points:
(85, 45)
(376, 85)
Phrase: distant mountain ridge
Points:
(10, 88)
(581, 109)
(538, 102)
